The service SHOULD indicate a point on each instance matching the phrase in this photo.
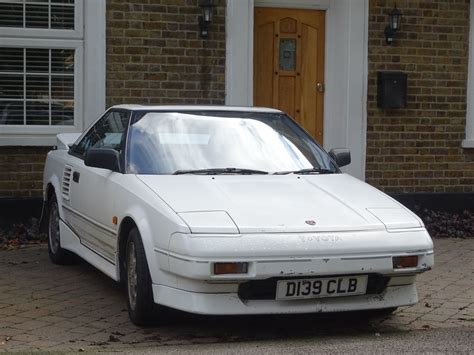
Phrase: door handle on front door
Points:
(320, 87)
(75, 176)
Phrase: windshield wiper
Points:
(306, 171)
(217, 171)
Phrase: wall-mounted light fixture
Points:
(395, 17)
(205, 20)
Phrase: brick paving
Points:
(74, 308)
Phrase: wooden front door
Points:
(289, 64)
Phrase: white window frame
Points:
(468, 141)
(346, 70)
(88, 40)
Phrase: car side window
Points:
(108, 132)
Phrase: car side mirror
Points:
(103, 158)
(341, 156)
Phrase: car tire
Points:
(57, 254)
(142, 309)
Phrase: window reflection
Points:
(106, 133)
(162, 143)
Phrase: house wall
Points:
(154, 55)
(418, 148)
(21, 171)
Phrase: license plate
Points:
(322, 287)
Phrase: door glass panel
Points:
(106, 133)
(287, 54)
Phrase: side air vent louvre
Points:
(66, 182)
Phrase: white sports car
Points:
(227, 210)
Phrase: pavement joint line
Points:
(81, 307)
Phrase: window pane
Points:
(62, 87)
(11, 60)
(36, 16)
(62, 61)
(62, 17)
(37, 60)
(11, 86)
(287, 54)
(62, 113)
(37, 87)
(40, 91)
(56, 14)
(106, 133)
(37, 113)
(11, 112)
(11, 15)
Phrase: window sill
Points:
(32, 140)
(467, 143)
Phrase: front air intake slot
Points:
(66, 183)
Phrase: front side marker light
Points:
(401, 262)
(230, 268)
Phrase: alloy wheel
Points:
(132, 276)
(53, 231)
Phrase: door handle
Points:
(75, 176)
(320, 87)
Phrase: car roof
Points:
(195, 108)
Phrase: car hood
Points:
(279, 203)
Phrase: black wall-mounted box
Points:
(391, 89)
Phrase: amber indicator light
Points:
(230, 268)
(400, 262)
(114, 219)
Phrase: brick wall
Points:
(155, 54)
(418, 149)
(21, 171)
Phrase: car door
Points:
(90, 208)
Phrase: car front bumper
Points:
(285, 256)
(231, 304)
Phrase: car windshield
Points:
(221, 142)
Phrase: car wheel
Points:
(141, 306)
(57, 254)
